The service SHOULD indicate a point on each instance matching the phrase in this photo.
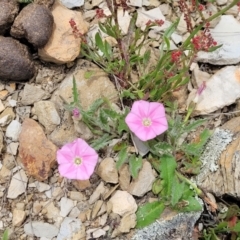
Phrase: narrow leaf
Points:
(177, 191)
(99, 42)
(135, 164)
(193, 125)
(193, 205)
(148, 213)
(101, 142)
(122, 157)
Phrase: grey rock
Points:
(13, 130)
(171, 227)
(35, 23)
(72, 3)
(8, 11)
(15, 61)
(32, 94)
(41, 229)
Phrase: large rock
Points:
(90, 88)
(36, 152)
(35, 23)
(63, 46)
(15, 61)
(226, 34)
(8, 11)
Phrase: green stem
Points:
(193, 185)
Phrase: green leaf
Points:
(122, 126)
(193, 205)
(148, 213)
(157, 186)
(193, 125)
(108, 50)
(122, 157)
(101, 142)
(167, 166)
(5, 235)
(135, 164)
(110, 113)
(75, 92)
(177, 191)
(99, 43)
(95, 106)
(236, 228)
(103, 121)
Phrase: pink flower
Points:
(147, 119)
(77, 160)
(76, 112)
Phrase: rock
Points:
(71, 227)
(41, 187)
(81, 184)
(124, 177)
(5, 174)
(66, 206)
(107, 171)
(6, 116)
(2, 107)
(221, 2)
(97, 206)
(52, 211)
(36, 152)
(1, 141)
(13, 130)
(143, 183)
(127, 222)
(72, 3)
(35, 23)
(86, 86)
(12, 148)
(47, 115)
(9, 161)
(98, 233)
(98, 192)
(32, 94)
(8, 11)
(224, 33)
(171, 225)
(122, 203)
(124, 20)
(76, 196)
(18, 185)
(23, 112)
(15, 61)
(63, 46)
(209, 100)
(223, 178)
(41, 229)
(18, 217)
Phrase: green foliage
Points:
(148, 213)
(122, 157)
(135, 164)
(5, 235)
(25, 1)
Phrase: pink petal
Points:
(156, 110)
(68, 171)
(79, 147)
(133, 121)
(64, 155)
(145, 133)
(140, 108)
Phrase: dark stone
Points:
(8, 11)
(34, 23)
(15, 61)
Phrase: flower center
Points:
(146, 122)
(77, 160)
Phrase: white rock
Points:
(13, 130)
(41, 229)
(69, 227)
(135, 3)
(66, 206)
(222, 89)
(12, 148)
(12, 103)
(224, 33)
(41, 187)
(72, 3)
(124, 20)
(18, 184)
(98, 233)
(143, 183)
(221, 2)
(1, 106)
(122, 203)
(152, 15)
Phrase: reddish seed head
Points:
(201, 7)
(175, 56)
